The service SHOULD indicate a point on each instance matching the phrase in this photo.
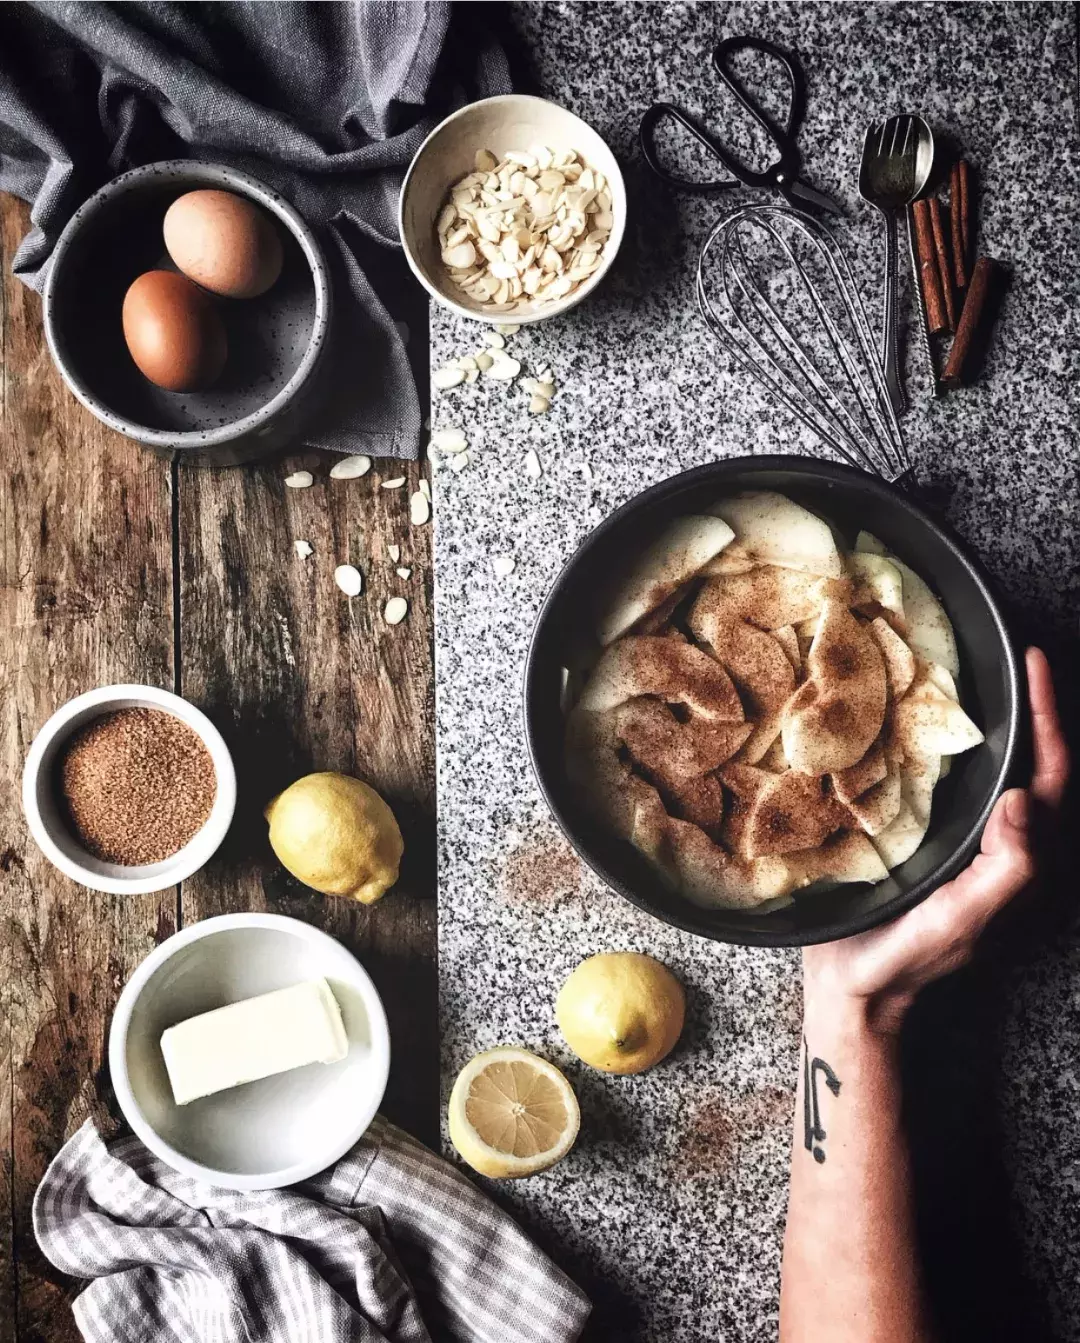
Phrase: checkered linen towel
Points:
(390, 1244)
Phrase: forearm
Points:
(850, 1272)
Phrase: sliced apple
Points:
(926, 722)
(670, 669)
(927, 629)
(857, 779)
(879, 805)
(899, 659)
(943, 679)
(776, 530)
(733, 559)
(710, 876)
(834, 717)
(673, 557)
(899, 840)
(673, 750)
(845, 858)
(767, 596)
(918, 778)
(788, 640)
(774, 760)
(882, 579)
(791, 812)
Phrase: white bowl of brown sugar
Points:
(128, 789)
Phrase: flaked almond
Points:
(303, 549)
(299, 480)
(350, 467)
(419, 506)
(503, 565)
(449, 440)
(394, 552)
(395, 610)
(447, 377)
(349, 579)
(394, 484)
(533, 469)
(404, 572)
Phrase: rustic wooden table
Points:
(119, 565)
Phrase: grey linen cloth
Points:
(325, 102)
(390, 1244)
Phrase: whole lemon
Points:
(336, 835)
(621, 1011)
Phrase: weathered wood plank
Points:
(85, 599)
(299, 677)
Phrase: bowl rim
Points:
(180, 865)
(121, 1023)
(210, 174)
(690, 922)
(552, 309)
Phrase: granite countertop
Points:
(670, 1210)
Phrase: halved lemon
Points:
(512, 1114)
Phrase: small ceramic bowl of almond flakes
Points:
(512, 210)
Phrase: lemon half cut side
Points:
(512, 1114)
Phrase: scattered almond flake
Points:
(394, 552)
(349, 579)
(395, 610)
(545, 389)
(533, 469)
(504, 369)
(299, 480)
(503, 565)
(420, 505)
(425, 489)
(458, 463)
(447, 377)
(586, 473)
(485, 161)
(303, 549)
(350, 467)
(449, 440)
(539, 405)
(467, 362)
(529, 385)
(508, 328)
(394, 484)
(484, 361)
(472, 375)
(494, 341)
(403, 572)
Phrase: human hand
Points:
(879, 972)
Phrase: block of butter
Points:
(254, 1038)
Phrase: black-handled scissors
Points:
(783, 174)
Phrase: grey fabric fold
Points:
(327, 103)
(391, 1245)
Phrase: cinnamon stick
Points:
(936, 316)
(960, 211)
(970, 319)
(942, 256)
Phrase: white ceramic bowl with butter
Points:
(510, 121)
(264, 1134)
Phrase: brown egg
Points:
(173, 331)
(223, 242)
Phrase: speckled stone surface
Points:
(670, 1210)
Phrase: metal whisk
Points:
(777, 291)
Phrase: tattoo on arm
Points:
(814, 1134)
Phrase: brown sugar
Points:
(137, 784)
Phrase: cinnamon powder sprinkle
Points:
(138, 784)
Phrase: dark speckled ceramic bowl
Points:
(276, 341)
(989, 690)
